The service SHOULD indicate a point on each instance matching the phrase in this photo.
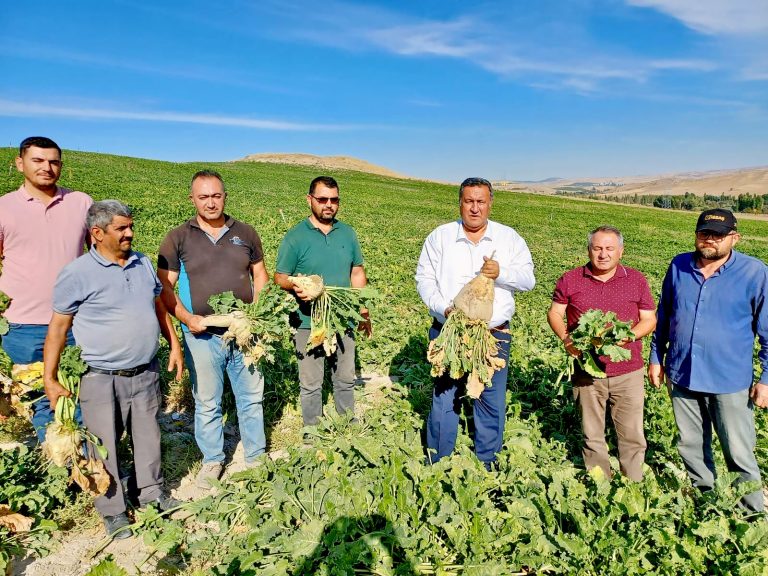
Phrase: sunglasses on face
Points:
(326, 199)
(716, 236)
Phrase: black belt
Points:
(127, 372)
(437, 325)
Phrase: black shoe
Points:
(113, 524)
(162, 504)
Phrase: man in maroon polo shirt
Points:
(605, 284)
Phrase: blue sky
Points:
(436, 89)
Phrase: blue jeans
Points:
(489, 411)
(24, 344)
(696, 413)
(208, 357)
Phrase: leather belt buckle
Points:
(126, 373)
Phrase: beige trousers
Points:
(625, 395)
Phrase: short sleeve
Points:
(560, 294)
(68, 291)
(286, 257)
(646, 298)
(357, 252)
(168, 255)
(148, 267)
(257, 252)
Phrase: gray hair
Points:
(606, 229)
(101, 213)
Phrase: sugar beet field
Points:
(361, 501)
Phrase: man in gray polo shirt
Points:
(110, 298)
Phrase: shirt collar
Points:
(104, 262)
(29, 198)
(727, 264)
(308, 223)
(487, 235)
(621, 272)
(228, 221)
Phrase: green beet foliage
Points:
(362, 498)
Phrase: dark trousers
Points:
(112, 404)
(312, 370)
(489, 410)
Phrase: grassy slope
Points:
(392, 218)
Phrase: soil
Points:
(86, 548)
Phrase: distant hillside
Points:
(323, 162)
(715, 182)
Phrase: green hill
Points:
(364, 499)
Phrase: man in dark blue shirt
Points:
(713, 304)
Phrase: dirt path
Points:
(85, 548)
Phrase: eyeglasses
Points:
(716, 236)
(326, 199)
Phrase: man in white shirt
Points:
(453, 254)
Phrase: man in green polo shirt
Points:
(322, 245)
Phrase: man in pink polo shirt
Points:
(604, 284)
(42, 228)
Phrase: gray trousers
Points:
(625, 395)
(312, 369)
(113, 404)
(696, 413)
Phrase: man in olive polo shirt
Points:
(209, 254)
(322, 245)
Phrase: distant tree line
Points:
(753, 203)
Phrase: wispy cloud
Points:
(428, 38)
(24, 109)
(738, 17)
(500, 45)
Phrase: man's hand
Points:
(570, 348)
(176, 362)
(365, 326)
(759, 395)
(656, 374)
(448, 311)
(54, 390)
(301, 293)
(490, 268)
(195, 324)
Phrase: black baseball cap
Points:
(718, 220)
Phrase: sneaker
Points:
(162, 503)
(209, 471)
(114, 523)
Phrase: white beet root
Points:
(476, 298)
(311, 285)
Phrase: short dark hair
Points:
(474, 181)
(327, 181)
(38, 142)
(208, 174)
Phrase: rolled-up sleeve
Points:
(516, 274)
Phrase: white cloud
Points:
(511, 48)
(22, 109)
(737, 17)
(449, 39)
